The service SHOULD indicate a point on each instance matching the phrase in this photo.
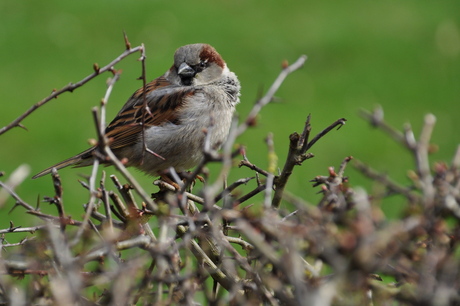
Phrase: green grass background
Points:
(403, 55)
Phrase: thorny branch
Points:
(268, 97)
(420, 150)
(71, 87)
(298, 146)
(391, 185)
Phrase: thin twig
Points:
(14, 180)
(337, 124)
(232, 187)
(268, 97)
(132, 181)
(423, 162)
(376, 119)
(57, 200)
(251, 166)
(105, 200)
(226, 280)
(387, 182)
(298, 146)
(31, 229)
(70, 88)
(250, 194)
(15, 196)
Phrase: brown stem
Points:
(69, 88)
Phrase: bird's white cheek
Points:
(199, 79)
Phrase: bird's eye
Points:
(203, 63)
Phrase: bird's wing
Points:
(163, 100)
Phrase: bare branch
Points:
(15, 179)
(376, 119)
(298, 146)
(268, 97)
(70, 88)
(385, 181)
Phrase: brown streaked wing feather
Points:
(163, 100)
(151, 86)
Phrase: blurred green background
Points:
(403, 55)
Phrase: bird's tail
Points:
(77, 161)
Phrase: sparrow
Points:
(197, 95)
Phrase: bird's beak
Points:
(185, 71)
